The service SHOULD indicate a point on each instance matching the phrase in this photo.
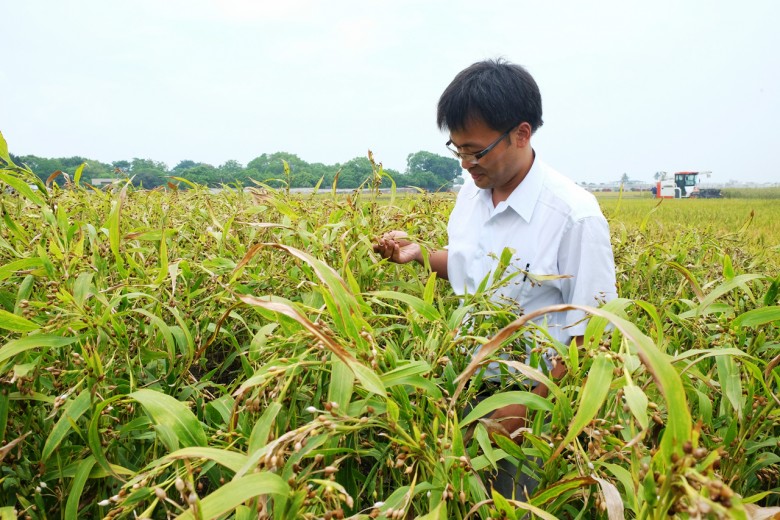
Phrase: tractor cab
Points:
(687, 182)
(684, 186)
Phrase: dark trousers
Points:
(509, 479)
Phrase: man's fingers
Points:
(386, 247)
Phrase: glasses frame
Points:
(475, 157)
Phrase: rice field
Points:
(181, 354)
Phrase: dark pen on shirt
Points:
(525, 274)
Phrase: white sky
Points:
(628, 87)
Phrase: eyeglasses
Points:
(475, 157)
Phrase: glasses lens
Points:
(462, 156)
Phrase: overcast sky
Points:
(627, 87)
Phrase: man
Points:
(514, 200)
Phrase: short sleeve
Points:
(585, 253)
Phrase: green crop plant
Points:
(182, 354)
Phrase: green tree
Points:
(354, 172)
(183, 165)
(202, 173)
(148, 173)
(44, 167)
(271, 167)
(431, 171)
(230, 172)
(121, 165)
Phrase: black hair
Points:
(500, 93)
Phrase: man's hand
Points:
(395, 246)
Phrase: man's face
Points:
(501, 168)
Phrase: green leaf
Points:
(94, 439)
(341, 383)
(627, 481)
(771, 294)
(22, 187)
(637, 403)
(17, 346)
(368, 378)
(163, 272)
(346, 313)
(71, 413)
(730, 382)
(481, 434)
(593, 395)
(5, 156)
(236, 492)
(81, 287)
(11, 268)
(437, 513)
(77, 174)
(502, 506)
(230, 459)
(167, 411)
(421, 307)
(114, 236)
(728, 268)
(756, 317)
(401, 374)
(705, 408)
(503, 399)
(724, 288)
(14, 323)
(259, 436)
(430, 289)
(74, 495)
(509, 446)
(557, 489)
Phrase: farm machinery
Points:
(685, 185)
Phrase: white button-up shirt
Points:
(554, 227)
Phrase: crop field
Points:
(181, 354)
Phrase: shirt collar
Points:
(523, 199)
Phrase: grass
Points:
(188, 355)
(752, 193)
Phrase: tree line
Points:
(424, 170)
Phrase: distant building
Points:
(102, 182)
